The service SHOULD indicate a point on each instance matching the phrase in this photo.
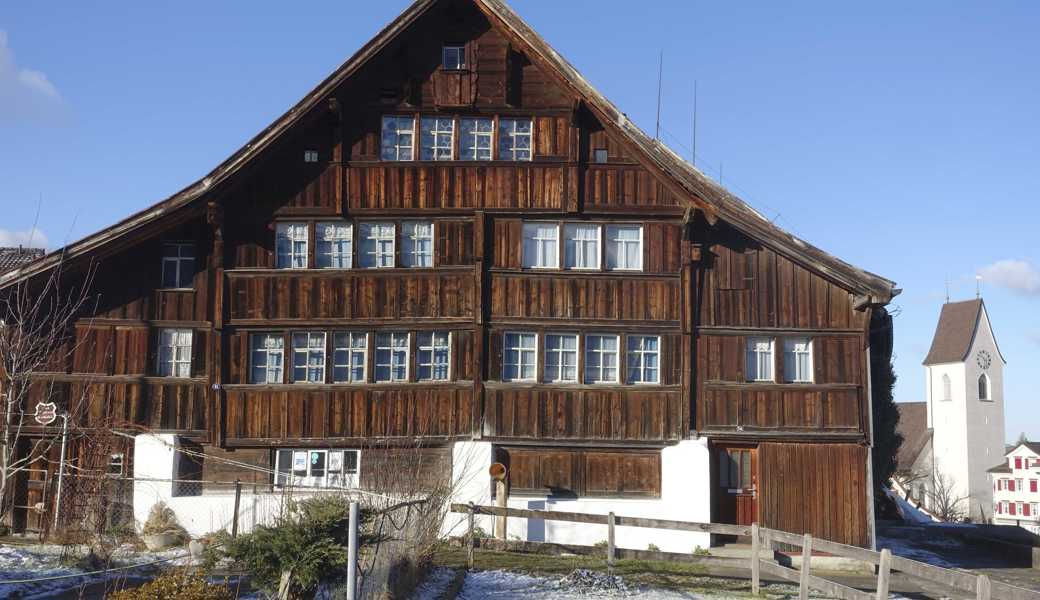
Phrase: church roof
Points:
(913, 426)
(955, 332)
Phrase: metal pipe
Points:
(61, 468)
(352, 553)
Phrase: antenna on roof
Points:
(693, 158)
(947, 290)
(978, 286)
(720, 173)
(660, 71)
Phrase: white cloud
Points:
(30, 238)
(1015, 275)
(25, 94)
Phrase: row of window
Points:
(376, 245)
(456, 138)
(984, 387)
(1025, 509)
(1010, 485)
(602, 352)
(798, 359)
(317, 468)
(582, 246)
(1024, 463)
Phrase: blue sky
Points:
(902, 137)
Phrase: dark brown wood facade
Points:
(704, 289)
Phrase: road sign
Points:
(46, 412)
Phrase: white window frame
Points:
(351, 351)
(268, 352)
(411, 255)
(616, 247)
(471, 141)
(288, 475)
(310, 349)
(453, 57)
(310, 156)
(641, 353)
(427, 352)
(574, 247)
(393, 349)
(1032, 510)
(177, 263)
(789, 344)
(398, 151)
(296, 235)
(173, 358)
(116, 459)
(508, 136)
(441, 132)
(590, 350)
(335, 245)
(752, 358)
(541, 246)
(513, 355)
(552, 372)
(375, 232)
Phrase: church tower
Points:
(964, 374)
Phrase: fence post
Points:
(238, 500)
(610, 543)
(472, 540)
(754, 558)
(352, 552)
(883, 574)
(803, 578)
(982, 589)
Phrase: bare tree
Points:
(945, 500)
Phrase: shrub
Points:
(161, 519)
(179, 584)
(652, 547)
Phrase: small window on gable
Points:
(310, 156)
(453, 58)
(984, 387)
(599, 155)
(178, 265)
(947, 388)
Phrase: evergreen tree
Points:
(886, 416)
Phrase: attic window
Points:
(454, 57)
(310, 156)
(599, 155)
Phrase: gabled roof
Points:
(11, 257)
(699, 190)
(913, 426)
(1033, 447)
(955, 332)
(1001, 468)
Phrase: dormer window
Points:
(453, 58)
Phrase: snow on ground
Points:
(504, 585)
(909, 512)
(434, 585)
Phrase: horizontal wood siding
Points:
(595, 473)
(625, 187)
(515, 296)
(820, 489)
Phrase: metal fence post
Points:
(755, 566)
(610, 543)
(352, 552)
(472, 533)
(238, 500)
(803, 576)
(883, 574)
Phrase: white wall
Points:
(470, 483)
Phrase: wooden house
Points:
(455, 240)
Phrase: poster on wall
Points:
(300, 461)
(335, 462)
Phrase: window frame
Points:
(791, 378)
(556, 243)
(609, 240)
(476, 135)
(462, 64)
(437, 134)
(254, 336)
(173, 361)
(320, 228)
(177, 262)
(409, 234)
(376, 365)
(351, 352)
(567, 240)
(307, 350)
(347, 477)
(292, 254)
(398, 131)
(520, 349)
(432, 348)
(587, 350)
(559, 380)
(988, 395)
(512, 135)
(749, 341)
(362, 237)
(642, 358)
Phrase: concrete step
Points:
(818, 562)
(739, 551)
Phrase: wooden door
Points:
(737, 484)
(31, 506)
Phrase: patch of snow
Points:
(908, 549)
(435, 584)
(909, 512)
(504, 585)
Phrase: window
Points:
(266, 362)
(759, 359)
(417, 242)
(434, 350)
(541, 243)
(178, 265)
(601, 359)
(291, 246)
(984, 387)
(1032, 485)
(174, 353)
(1020, 510)
(561, 358)
(477, 138)
(1019, 486)
(1010, 485)
(1026, 509)
(514, 139)
(798, 363)
(391, 357)
(116, 463)
(438, 138)
(349, 357)
(581, 246)
(735, 469)
(520, 356)
(398, 139)
(453, 58)
(644, 355)
(335, 242)
(947, 388)
(317, 468)
(310, 156)
(1033, 506)
(599, 155)
(1004, 505)
(625, 247)
(308, 357)
(1018, 462)
(377, 245)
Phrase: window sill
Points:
(175, 289)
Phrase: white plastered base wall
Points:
(685, 496)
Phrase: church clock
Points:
(984, 359)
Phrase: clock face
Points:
(984, 359)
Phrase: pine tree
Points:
(887, 439)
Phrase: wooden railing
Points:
(971, 583)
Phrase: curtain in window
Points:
(581, 246)
(540, 245)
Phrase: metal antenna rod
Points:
(660, 71)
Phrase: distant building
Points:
(955, 435)
(12, 258)
(1016, 496)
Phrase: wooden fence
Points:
(978, 584)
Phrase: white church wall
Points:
(985, 433)
(949, 423)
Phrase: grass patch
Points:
(688, 577)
